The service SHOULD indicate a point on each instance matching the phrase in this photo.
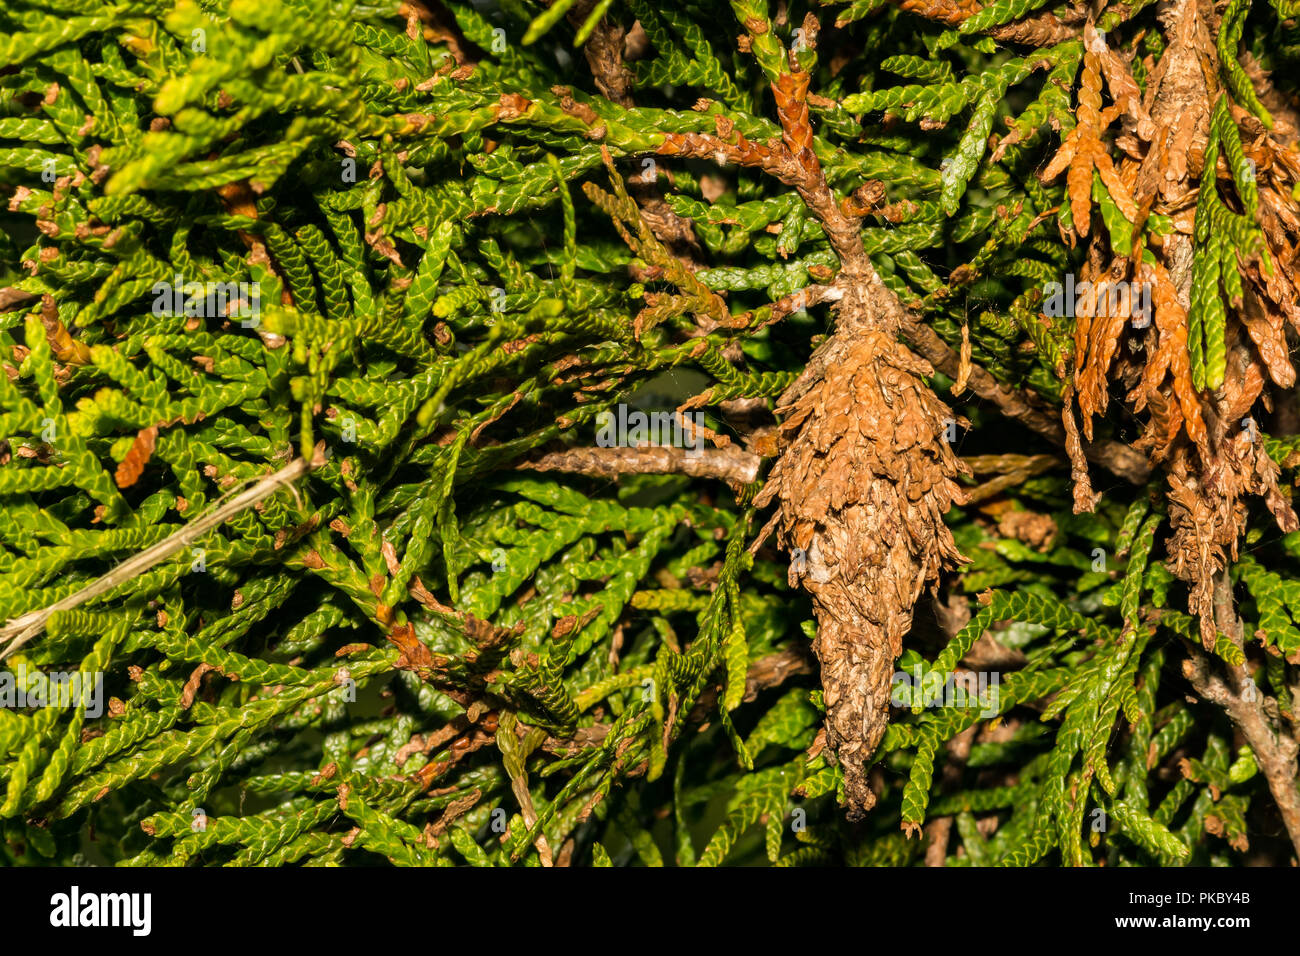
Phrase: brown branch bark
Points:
(770, 671)
(604, 53)
(11, 298)
(1117, 458)
(939, 830)
(1275, 751)
(729, 464)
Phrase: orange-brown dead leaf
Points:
(132, 466)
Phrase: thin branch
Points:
(730, 464)
(939, 829)
(1118, 458)
(12, 298)
(1015, 471)
(1275, 751)
(20, 630)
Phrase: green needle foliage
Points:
(422, 654)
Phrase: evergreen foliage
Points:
(475, 227)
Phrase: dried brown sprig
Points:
(1206, 442)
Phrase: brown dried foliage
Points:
(1206, 443)
(132, 466)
